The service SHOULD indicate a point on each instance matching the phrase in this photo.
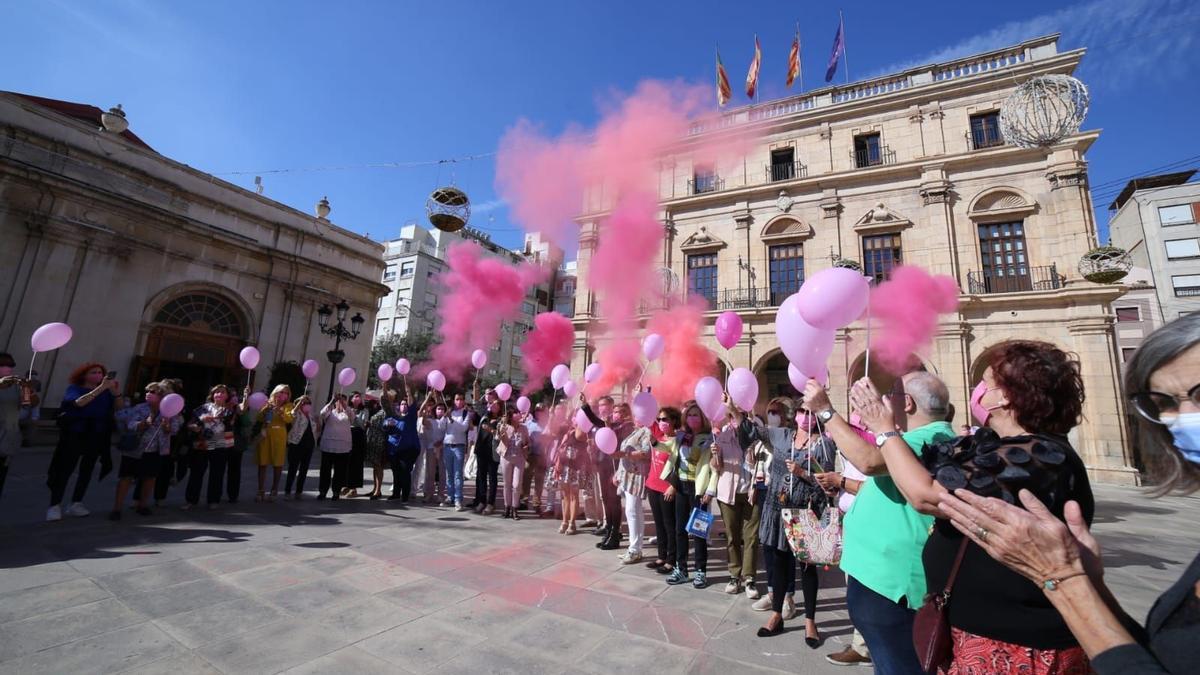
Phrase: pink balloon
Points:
(171, 405)
(645, 408)
(49, 337)
(257, 400)
(722, 414)
(833, 298)
(606, 440)
(249, 358)
(346, 377)
(403, 366)
(728, 329)
(560, 375)
(799, 379)
(593, 373)
(570, 389)
(524, 404)
(436, 380)
(581, 420)
(743, 389)
(504, 391)
(384, 372)
(310, 368)
(708, 395)
(653, 346)
(479, 359)
(807, 347)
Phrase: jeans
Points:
(663, 512)
(402, 465)
(452, 462)
(75, 449)
(635, 517)
(741, 530)
(299, 457)
(686, 500)
(333, 470)
(887, 628)
(512, 481)
(486, 477)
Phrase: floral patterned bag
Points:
(814, 539)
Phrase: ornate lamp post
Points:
(338, 332)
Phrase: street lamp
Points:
(338, 332)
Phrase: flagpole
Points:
(799, 57)
(845, 52)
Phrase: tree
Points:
(391, 348)
(289, 373)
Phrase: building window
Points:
(1002, 252)
(867, 150)
(985, 130)
(381, 328)
(881, 253)
(408, 269)
(431, 300)
(704, 179)
(1186, 285)
(1127, 353)
(783, 164)
(1125, 314)
(389, 273)
(786, 271)
(529, 308)
(1178, 214)
(1183, 248)
(702, 276)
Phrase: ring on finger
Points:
(982, 533)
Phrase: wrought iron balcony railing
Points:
(1015, 279)
(979, 139)
(786, 171)
(706, 183)
(873, 157)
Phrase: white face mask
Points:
(773, 420)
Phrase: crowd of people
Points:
(991, 521)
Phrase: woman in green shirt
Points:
(693, 485)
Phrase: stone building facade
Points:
(906, 168)
(160, 269)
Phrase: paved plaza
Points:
(362, 587)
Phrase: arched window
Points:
(200, 312)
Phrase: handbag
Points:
(931, 626)
(814, 539)
(699, 524)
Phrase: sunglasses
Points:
(1162, 408)
(664, 419)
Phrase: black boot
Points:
(612, 541)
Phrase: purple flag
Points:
(839, 50)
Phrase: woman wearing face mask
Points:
(274, 419)
(213, 423)
(512, 441)
(10, 412)
(739, 501)
(146, 439)
(377, 437)
(302, 438)
(1063, 561)
(1030, 397)
(692, 486)
(630, 479)
(569, 472)
(360, 418)
(86, 424)
(335, 446)
(662, 506)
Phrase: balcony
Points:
(753, 298)
(1187, 292)
(786, 171)
(981, 139)
(706, 183)
(867, 157)
(1015, 279)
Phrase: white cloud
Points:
(1127, 40)
(488, 206)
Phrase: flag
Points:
(794, 61)
(752, 74)
(724, 91)
(839, 51)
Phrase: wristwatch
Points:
(825, 415)
(880, 439)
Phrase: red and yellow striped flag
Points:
(794, 61)
(752, 74)
(724, 91)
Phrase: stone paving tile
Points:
(363, 618)
(187, 664)
(711, 664)
(272, 648)
(572, 573)
(608, 611)
(315, 597)
(486, 614)
(183, 597)
(435, 563)
(272, 577)
(479, 576)
(509, 660)
(375, 578)
(421, 645)
(236, 561)
(559, 638)
(535, 592)
(347, 660)
(151, 578)
(30, 602)
(112, 652)
(390, 550)
(685, 629)
(65, 625)
(219, 621)
(20, 578)
(428, 595)
(625, 653)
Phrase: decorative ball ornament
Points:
(448, 208)
(1043, 111)
(1105, 264)
(848, 263)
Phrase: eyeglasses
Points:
(1163, 408)
(664, 419)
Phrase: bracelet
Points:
(843, 485)
(1053, 584)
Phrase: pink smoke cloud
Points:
(540, 179)
(904, 311)
(685, 359)
(622, 361)
(547, 345)
(482, 291)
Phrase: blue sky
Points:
(256, 86)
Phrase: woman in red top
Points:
(663, 510)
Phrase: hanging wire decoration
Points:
(1043, 111)
(448, 208)
(1105, 264)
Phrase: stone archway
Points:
(772, 373)
(881, 378)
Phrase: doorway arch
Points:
(882, 379)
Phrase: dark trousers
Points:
(685, 501)
(886, 627)
(608, 493)
(354, 466)
(162, 482)
(198, 461)
(781, 578)
(487, 476)
(663, 512)
(233, 473)
(299, 457)
(3, 473)
(333, 466)
(402, 466)
(75, 450)
(214, 460)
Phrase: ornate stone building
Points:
(162, 270)
(905, 168)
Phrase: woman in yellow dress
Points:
(274, 419)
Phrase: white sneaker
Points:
(650, 541)
(630, 558)
(789, 608)
(78, 510)
(460, 508)
(733, 587)
(751, 590)
(763, 604)
(54, 513)
(447, 502)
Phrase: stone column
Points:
(1101, 438)
(935, 194)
